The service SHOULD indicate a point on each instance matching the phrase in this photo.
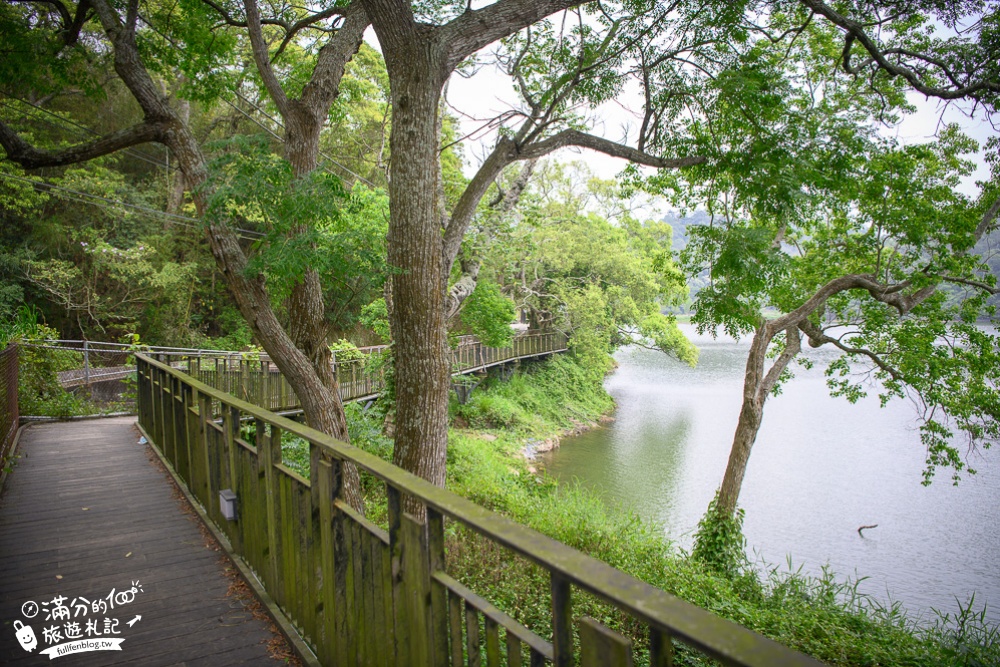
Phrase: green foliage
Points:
(383, 363)
(40, 61)
(601, 275)
(375, 316)
(238, 334)
(309, 222)
(188, 43)
(558, 394)
(24, 323)
(38, 391)
(489, 314)
(719, 543)
(345, 350)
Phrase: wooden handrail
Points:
(373, 591)
(8, 400)
(233, 373)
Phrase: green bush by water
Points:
(544, 399)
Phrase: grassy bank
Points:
(820, 616)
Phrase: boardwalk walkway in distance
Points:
(87, 514)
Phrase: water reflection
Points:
(821, 467)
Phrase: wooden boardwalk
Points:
(87, 511)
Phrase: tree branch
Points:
(856, 32)
(972, 283)
(462, 289)
(29, 157)
(508, 151)
(506, 201)
(263, 58)
(989, 220)
(567, 138)
(503, 154)
(817, 338)
(477, 28)
(793, 345)
(65, 17)
(307, 22)
(324, 85)
(129, 65)
(71, 23)
(887, 294)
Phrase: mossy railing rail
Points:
(257, 379)
(8, 400)
(361, 595)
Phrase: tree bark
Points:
(304, 118)
(415, 249)
(751, 413)
(756, 386)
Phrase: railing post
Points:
(269, 450)
(168, 445)
(231, 431)
(410, 583)
(439, 599)
(86, 364)
(562, 622)
(179, 429)
(326, 477)
(202, 432)
(600, 646)
(661, 649)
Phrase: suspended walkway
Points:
(254, 377)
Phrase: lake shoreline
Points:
(853, 465)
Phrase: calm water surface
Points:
(820, 468)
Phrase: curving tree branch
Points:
(568, 138)
(856, 32)
(30, 157)
(817, 337)
(475, 29)
(263, 59)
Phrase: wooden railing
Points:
(8, 400)
(363, 595)
(257, 379)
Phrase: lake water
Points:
(820, 468)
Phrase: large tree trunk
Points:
(756, 387)
(322, 406)
(749, 423)
(415, 248)
(751, 414)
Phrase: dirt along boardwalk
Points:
(98, 549)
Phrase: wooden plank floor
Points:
(87, 510)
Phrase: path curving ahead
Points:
(94, 534)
